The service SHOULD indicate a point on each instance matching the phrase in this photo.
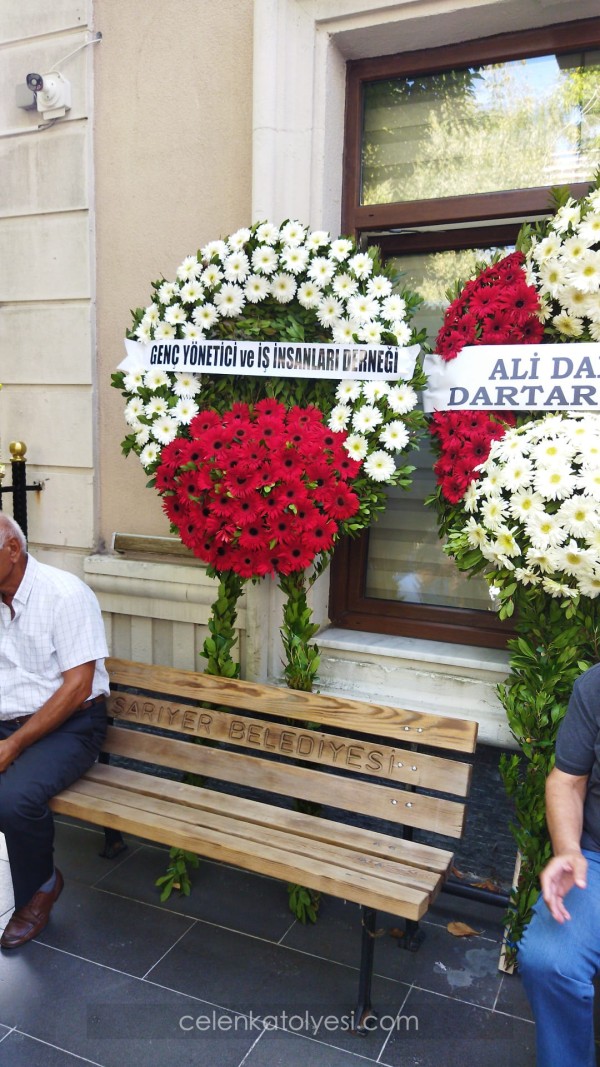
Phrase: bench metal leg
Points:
(114, 844)
(365, 1018)
(414, 935)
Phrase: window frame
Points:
(381, 224)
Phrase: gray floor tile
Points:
(77, 853)
(512, 998)
(106, 1017)
(18, 1050)
(111, 930)
(276, 1049)
(220, 894)
(436, 1030)
(245, 974)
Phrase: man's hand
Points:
(558, 877)
(8, 753)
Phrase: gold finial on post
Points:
(18, 451)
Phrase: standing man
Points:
(53, 688)
(559, 954)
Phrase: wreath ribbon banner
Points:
(274, 359)
(559, 377)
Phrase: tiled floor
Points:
(226, 977)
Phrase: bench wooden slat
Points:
(310, 746)
(313, 827)
(254, 831)
(263, 859)
(357, 716)
(396, 805)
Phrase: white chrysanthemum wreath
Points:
(281, 283)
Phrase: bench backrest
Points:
(370, 753)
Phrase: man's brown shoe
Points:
(30, 920)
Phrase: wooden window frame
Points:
(380, 223)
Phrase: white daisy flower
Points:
(517, 473)
(589, 584)
(236, 267)
(166, 292)
(186, 385)
(574, 248)
(133, 380)
(588, 482)
(374, 391)
(348, 390)
(356, 445)
(557, 589)
(589, 229)
(344, 285)
(191, 332)
(553, 275)
(506, 543)
(370, 333)
(134, 409)
(212, 276)
(292, 233)
(541, 559)
(554, 482)
(345, 331)
(156, 407)
(155, 378)
(568, 325)
(230, 300)
(493, 510)
(548, 248)
(191, 293)
(525, 503)
(149, 455)
(471, 497)
(283, 287)
(237, 240)
(402, 399)
(264, 259)
(142, 436)
(526, 577)
(575, 560)
(189, 269)
(164, 429)
(401, 331)
(184, 410)
(579, 516)
(395, 436)
(316, 238)
(152, 314)
(476, 533)
(329, 311)
(205, 316)
(585, 274)
(321, 270)
(361, 265)
(144, 333)
(294, 258)
(366, 418)
(340, 415)
(568, 215)
(379, 466)
(267, 233)
(214, 249)
(379, 286)
(545, 531)
(340, 249)
(309, 295)
(256, 288)
(175, 315)
(363, 308)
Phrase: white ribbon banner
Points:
(555, 377)
(274, 359)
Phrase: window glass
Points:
(515, 125)
(406, 561)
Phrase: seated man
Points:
(53, 688)
(559, 953)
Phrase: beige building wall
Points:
(172, 149)
(47, 357)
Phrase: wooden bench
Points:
(364, 759)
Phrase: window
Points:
(446, 153)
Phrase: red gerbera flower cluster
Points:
(258, 490)
(497, 307)
(464, 440)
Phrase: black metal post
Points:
(19, 487)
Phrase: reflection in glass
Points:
(516, 125)
(406, 561)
